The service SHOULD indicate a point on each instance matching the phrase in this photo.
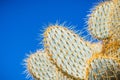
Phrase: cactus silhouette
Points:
(67, 56)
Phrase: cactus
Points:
(68, 50)
(112, 45)
(98, 22)
(41, 68)
(101, 67)
(67, 56)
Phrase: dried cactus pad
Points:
(41, 68)
(104, 69)
(67, 50)
(99, 20)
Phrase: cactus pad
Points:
(41, 68)
(98, 22)
(67, 50)
(103, 68)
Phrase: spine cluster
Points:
(67, 56)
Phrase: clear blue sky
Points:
(20, 25)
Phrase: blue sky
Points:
(20, 25)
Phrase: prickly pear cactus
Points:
(41, 67)
(68, 50)
(103, 68)
(67, 56)
(98, 22)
